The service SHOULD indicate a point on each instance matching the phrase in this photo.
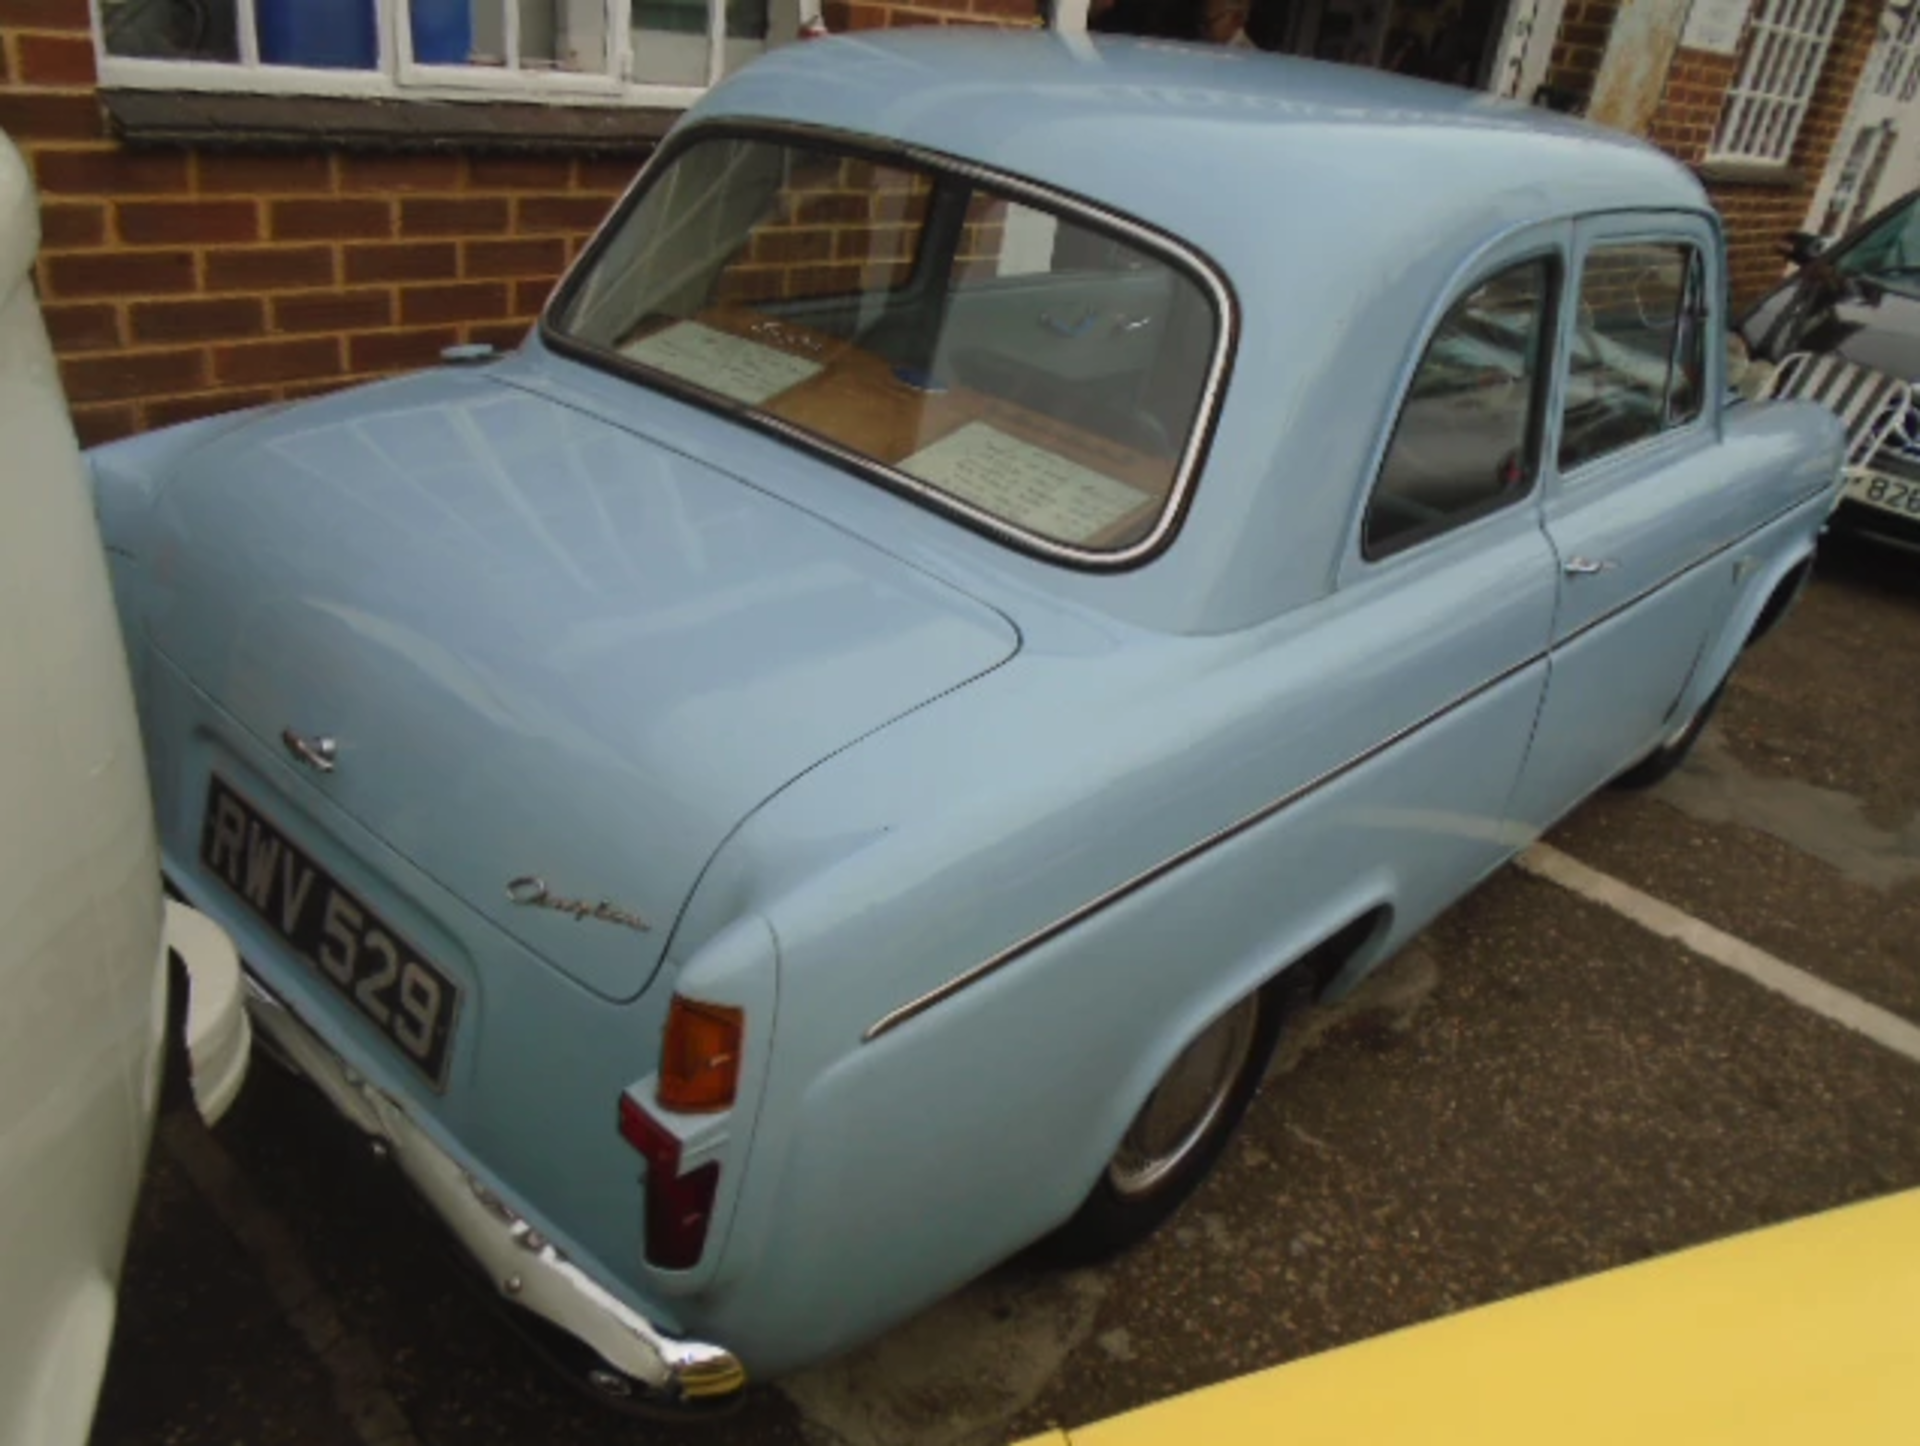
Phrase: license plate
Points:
(1890, 494)
(349, 945)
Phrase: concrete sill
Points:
(284, 122)
(1750, 173)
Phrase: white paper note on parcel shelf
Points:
(738, 369)
(1027, 485)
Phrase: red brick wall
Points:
(1690, 106)
(1578, 48)
(179, 283)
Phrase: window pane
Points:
(1005, 355)
(563, 35)
(1624, 350)
(170, 30)
(670, 41)
(1461, 444)
(332, 34)
(1889, 252)
(458, 32)
(546, 35)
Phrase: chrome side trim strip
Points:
(914, 1007)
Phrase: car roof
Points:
(1150, 127)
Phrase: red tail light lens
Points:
(679, 1207)
(679, 1210)
(657, 1145)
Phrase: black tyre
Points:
(1178, 1135)
(1672, 753)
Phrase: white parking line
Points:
(1804, 989)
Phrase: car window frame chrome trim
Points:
(1182, 255)
(920, 1004)
(1645, 231)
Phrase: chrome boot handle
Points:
(316, 753)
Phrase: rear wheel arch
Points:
(1752, 619)
(1782, 597)
(1132, 1197)
(1761, 605)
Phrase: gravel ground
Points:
(1834, 700)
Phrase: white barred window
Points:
(1897, 72)
(660, 51)
(1786, 46)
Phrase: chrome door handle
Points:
(1587, 566)
(316, 753)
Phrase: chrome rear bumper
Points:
(218, 1041)
(524, 1266)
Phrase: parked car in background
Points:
(1851, 314)
(1796, 1333)
(84, 933)
(1002, 573)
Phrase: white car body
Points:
(84, 931)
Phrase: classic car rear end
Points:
(835, 761)
(605, 660)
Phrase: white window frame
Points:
(1896, 60)
(1786, 51)
(396, 75)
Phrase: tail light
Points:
(700, 1057)
(679, 1207)
(699, 1074)
(678, 1213)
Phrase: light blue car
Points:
(1010, 564)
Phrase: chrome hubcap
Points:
(1185, 1104)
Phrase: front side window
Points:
(1888, 253)
(1463, 444)
(1637, 359)
(1033, 369)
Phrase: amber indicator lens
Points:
(700, 1060)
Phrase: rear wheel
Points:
(1178, 1135)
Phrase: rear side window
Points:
(1637, 364)
(1463, 443)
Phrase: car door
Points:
(1630, 505)
(1448, 596)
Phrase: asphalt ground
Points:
(1539, 1089)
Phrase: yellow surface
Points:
(1805, 1333)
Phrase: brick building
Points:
(240, 204)
(209, 250)
(1762, 197)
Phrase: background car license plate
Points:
(388, 980)
(1891, 494)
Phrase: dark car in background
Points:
(1856, 302)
